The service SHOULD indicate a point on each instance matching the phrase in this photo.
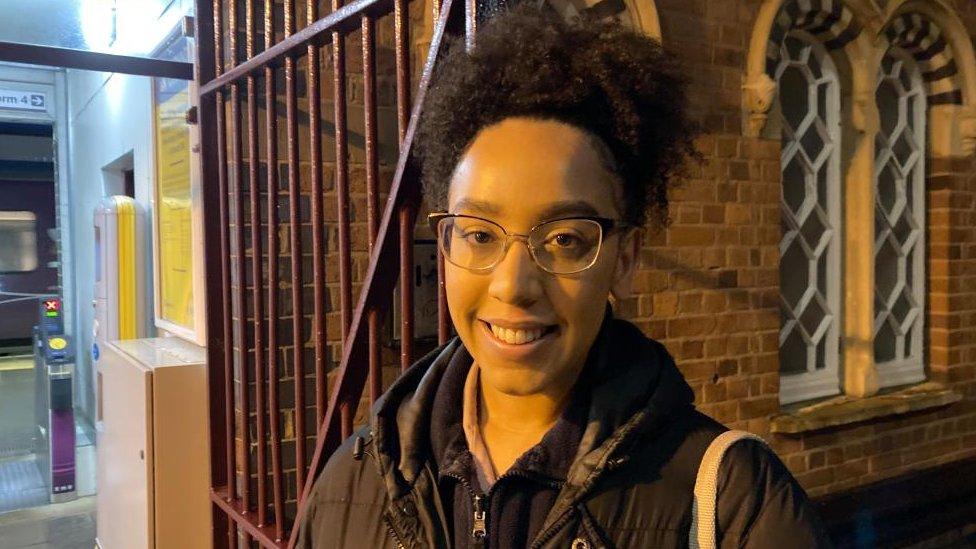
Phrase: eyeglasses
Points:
(558, 246)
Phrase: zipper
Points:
(479, 529)
(393, 534)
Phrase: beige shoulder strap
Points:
(703, 519)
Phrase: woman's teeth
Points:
(517, 337)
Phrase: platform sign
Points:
(23, 100)
(171, 101)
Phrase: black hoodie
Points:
(635, 441)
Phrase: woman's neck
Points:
(511, 424)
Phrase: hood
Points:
(636, 387)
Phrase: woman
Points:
(547, 422)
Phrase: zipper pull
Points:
(479, 531)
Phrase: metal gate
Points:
(281, 227)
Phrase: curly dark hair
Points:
(612, 82)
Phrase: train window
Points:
(18, 241)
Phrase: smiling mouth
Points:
(518, 336)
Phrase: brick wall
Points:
(709, 284)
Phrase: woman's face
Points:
(518, 173)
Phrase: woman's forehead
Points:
(526, 169)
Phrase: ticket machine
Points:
(54, 366)
(119, 271)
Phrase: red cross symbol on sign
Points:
(52, 304)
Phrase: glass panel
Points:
(794, 183)
(822, 189)
(794, 96)
(888, 106)
(813, 142)
(910, 268)
(794, 274)
(823, 93)
(904, 147)
(905, 78)
(886, 269)
(822, 274)
(18, 241)
(884, 343)
(888, 188)
(793, 354)
(909, 336)
(901, 307)
(813, 229)
(903, 229)
(794, 47)
(813, 316)
(821, 358)
(880, 224)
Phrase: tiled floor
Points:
(61, 526)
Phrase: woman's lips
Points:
(517, 351)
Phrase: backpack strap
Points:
(703, 517)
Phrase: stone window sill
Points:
(844, 410)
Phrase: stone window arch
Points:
(908, 95)
(810, 271)
(799, 84)
(899, 220)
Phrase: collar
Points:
(628, 387)
(549, 461)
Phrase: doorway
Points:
(29, 271)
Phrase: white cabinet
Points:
(153, 457)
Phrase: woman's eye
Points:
(479, 237)
(565, 240)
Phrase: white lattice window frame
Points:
(812, 382)
(902, 369)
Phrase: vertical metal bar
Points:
(470, 22)
(207, 62)
(318, 222)
(227, 310)
(407, 214)
(377, 284)
(256, 273)
(270, 99)
(241, 294)
(372, 198)
(225, 264)
(342, 186)
(436, 7)
(295, 230)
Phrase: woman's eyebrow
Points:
(564, 208)
(567, 208)
(479, 206)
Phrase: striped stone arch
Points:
(925, 41)
(830, 21)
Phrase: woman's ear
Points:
(628, 257)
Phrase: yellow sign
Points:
(57, 343)
(171, 100)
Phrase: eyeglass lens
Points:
(560, 247)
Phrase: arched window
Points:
(810, 273)
(899, 223)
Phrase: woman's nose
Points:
(516, 278)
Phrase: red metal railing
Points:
(262, 338)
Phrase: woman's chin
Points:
(514, 379)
